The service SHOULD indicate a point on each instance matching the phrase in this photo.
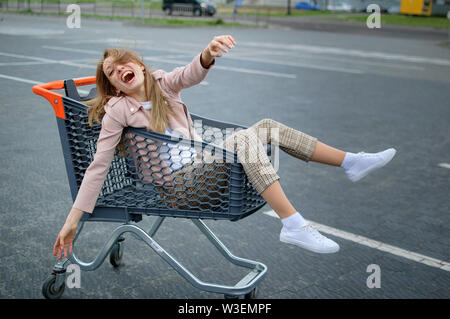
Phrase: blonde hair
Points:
(159, 115)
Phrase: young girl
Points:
(129, 94)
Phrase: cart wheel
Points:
(48, 288)
(115, 257)
(252, 294)
(231, 297)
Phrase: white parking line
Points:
(22, 63)
(15, 78)
(13, 55)
(45, 60)
(37, 62)
(253, 58)
(433, 262)
(250, 55)
(180, 62)
(98, 54)
(444, 165)
(228, 68)
(349, 52)
(334, 51)
(301, 65)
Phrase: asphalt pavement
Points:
(354, 91)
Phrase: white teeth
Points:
(125, 74)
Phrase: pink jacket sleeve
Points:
(94, 177)
(185, 77)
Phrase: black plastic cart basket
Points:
(153, 174)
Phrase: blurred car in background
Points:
(197, 7)
(302, 5)
(340, 7)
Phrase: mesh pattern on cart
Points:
(153, 174)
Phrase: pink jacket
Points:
(124, 111)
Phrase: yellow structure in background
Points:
(418, 7)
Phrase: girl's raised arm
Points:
(195, 72)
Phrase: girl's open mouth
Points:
(127, 77)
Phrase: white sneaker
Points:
(310, 239)
(369, 162)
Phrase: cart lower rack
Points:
(153, 174)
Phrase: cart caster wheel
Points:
(231, 297)
(115, 257)
(48, 288)
(252, 294)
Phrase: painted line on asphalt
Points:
(250, 56)
(301, 65)
(98, 53)
(433, 262)
(349, 52)
(444, 165)
(15, 78)
(36, 62)
(180, 62)
(45, 60)
(294, 64)
(122, 42)
(92, 52)
(23, 63)
(335, 51)
(227, 68)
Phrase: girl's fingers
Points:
(231, 39)
(217, 45)
(60, 248)
(55, 247)
(226, 41)
(214, 49)
(59, 253)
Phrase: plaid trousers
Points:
(199, 185)
(249, 145)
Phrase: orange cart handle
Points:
(54, 98)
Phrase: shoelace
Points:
(368, 154)
(314, 232)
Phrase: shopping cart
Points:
(153, 174)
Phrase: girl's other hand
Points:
(67, 233)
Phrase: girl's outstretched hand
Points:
(220, 43)
(66, 236)
(214, 48)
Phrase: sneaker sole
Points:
(306, 246)
(366, 172)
